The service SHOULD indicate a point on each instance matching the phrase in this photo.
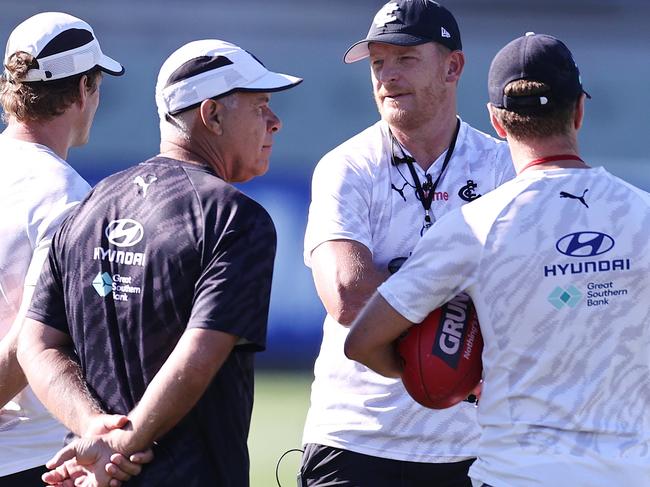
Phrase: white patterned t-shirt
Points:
(557, 263)
(38, 190)
(359, 195)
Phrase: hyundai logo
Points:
(124, 232)
(585, 244)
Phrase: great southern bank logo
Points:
(103, 284)
(564, 297)
(585, 244)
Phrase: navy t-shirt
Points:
(152, 251)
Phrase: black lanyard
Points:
(426, 192)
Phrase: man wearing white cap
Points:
(49, 92)
(161, 281)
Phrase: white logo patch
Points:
(144, 182)
(386, 15)
(124, 232)
(444, 33)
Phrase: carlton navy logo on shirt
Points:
(386, 15)
(467, 193)
(124, 232)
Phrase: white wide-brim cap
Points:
(209, 68)
(35, 33)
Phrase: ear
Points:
(83, 91)
(455, 65)
(211, 113)
(501, 132)
(579, 115)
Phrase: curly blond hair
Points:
(38, 100)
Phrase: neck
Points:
(182, 151)
(524, 152)
(428, 141)
(56, 134)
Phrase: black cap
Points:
(409, 23)
(535, 57)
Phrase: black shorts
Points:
(325, 466)
(26, 478)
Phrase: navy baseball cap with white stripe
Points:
(409, 23)
(212, 68)
(62, 45)
(535, 57)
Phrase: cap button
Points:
(530, 34)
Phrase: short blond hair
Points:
(38, 100)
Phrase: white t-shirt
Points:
(37, 191)
(357, 194)
(557, 263)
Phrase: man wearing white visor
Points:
(161, 281)
(49, 92)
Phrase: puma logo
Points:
(564, 194)
(144, 183)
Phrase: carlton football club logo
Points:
(386, 15)
(467, 192)
(124, 232)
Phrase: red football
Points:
(442, 355)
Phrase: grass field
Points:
(281, 403)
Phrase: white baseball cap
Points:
(209, 68)
(63, 46)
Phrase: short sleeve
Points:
(48, 303)
(340, 205)
(233, 292)
(65, 189)
(443, 264)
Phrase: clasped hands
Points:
(97, 459)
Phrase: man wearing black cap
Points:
(557, 281)
(373, 197)
(161, 281)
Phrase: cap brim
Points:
(359, 50)
(110, 66)
(272, 82)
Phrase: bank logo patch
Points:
(564, 297)
(124, 232)
(103, 284)
(585, 244)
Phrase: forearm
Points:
(12, 378)
(373, 336)
(354, 293)
(55, 377)
(176, 388)
(345, 278)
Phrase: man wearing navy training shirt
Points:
(161, 282)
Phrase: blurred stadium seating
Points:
(609, 38)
